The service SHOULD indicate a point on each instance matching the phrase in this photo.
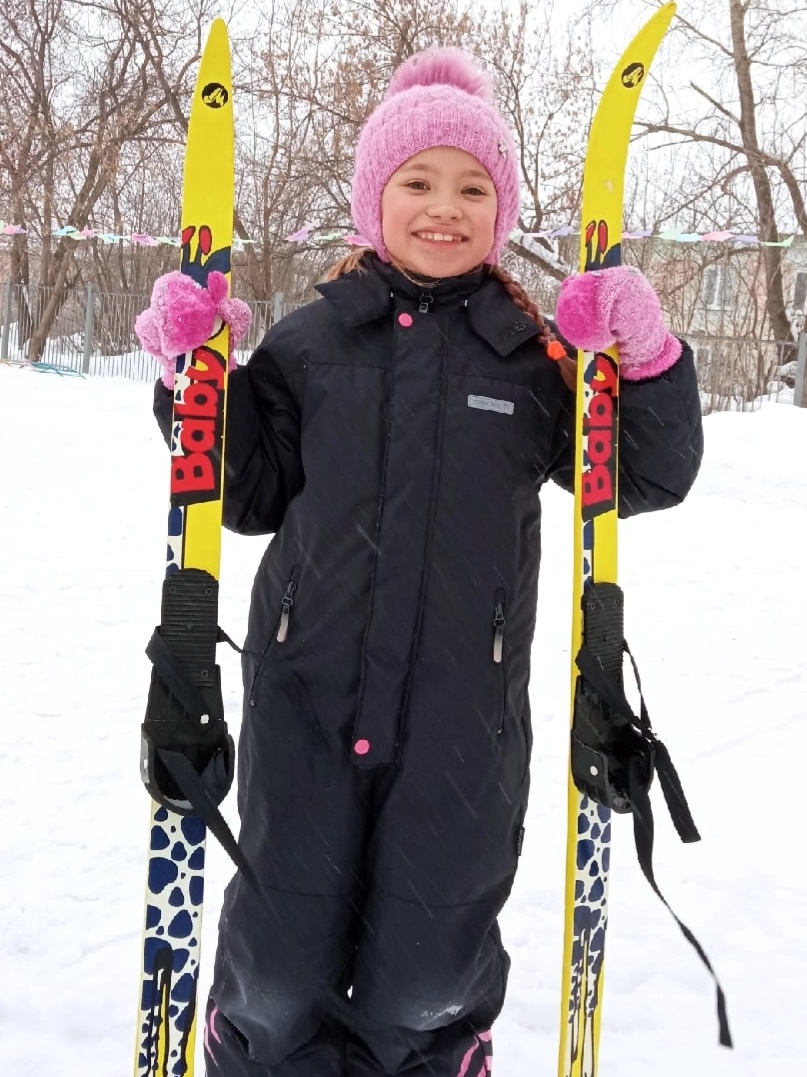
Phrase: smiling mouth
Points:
(440, 237)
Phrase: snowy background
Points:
(716, 618)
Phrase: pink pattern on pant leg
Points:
(210, 1031)
(466, 1061)
(487, 1037)
(474, 1052)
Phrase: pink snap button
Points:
(405, 320)
(361, 747)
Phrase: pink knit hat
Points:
(436, 98)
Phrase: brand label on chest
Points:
(490, 403)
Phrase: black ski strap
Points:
(222, 637)
(643, 833)
(665, 769)
(187, 753)
(613, 695)
(193, 786)
(198, 796)
(164, 661)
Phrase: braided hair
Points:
(554, 349)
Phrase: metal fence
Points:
(93, 331)
(735, 372)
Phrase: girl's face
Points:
(438, 213)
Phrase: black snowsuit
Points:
(395, 442)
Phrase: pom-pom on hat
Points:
(436, 98)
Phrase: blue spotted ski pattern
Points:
(172, 944)
(590, 923)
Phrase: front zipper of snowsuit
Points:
(385, 736)
(499, 622)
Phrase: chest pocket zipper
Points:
(279, 635)
(285, 611)
(499, 622)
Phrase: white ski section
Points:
(714, 614)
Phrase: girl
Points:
(394, 437)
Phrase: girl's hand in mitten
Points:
(183, 315)
(618, 306)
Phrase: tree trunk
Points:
(768, 232)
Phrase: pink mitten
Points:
(618, 306)
(183, 315)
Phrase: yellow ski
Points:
(595, 546)
(185, 681)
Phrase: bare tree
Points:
(85, 110)
(549, 88)
(740, 132)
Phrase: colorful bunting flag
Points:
(308, 233)
(301, 235)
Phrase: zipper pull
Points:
(285, 612)
(426, 300)
(498, 632)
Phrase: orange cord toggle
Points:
(555, 350)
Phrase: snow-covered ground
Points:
(717, 620)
